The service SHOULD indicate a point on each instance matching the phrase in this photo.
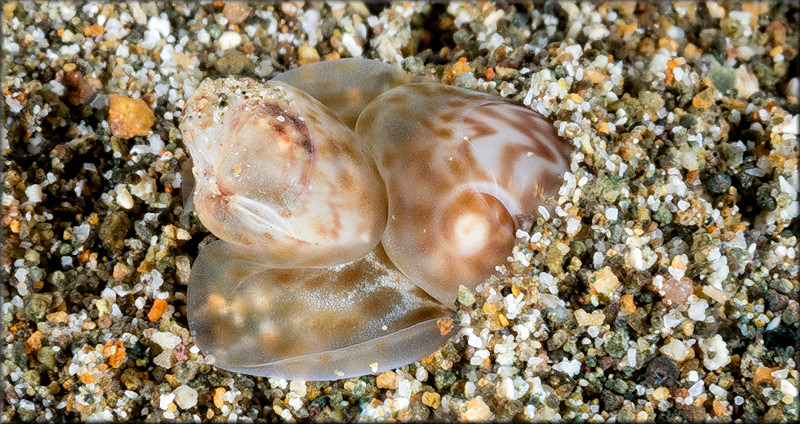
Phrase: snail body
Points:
(351, 200)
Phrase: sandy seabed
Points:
(663, 286)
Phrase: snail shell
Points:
(352, 200)
(458, 165)
(270, 163)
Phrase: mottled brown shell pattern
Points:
(458, 165)
(352, 200)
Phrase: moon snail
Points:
(351, 199)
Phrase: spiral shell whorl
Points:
(456, 162)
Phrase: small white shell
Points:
(270, 163)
